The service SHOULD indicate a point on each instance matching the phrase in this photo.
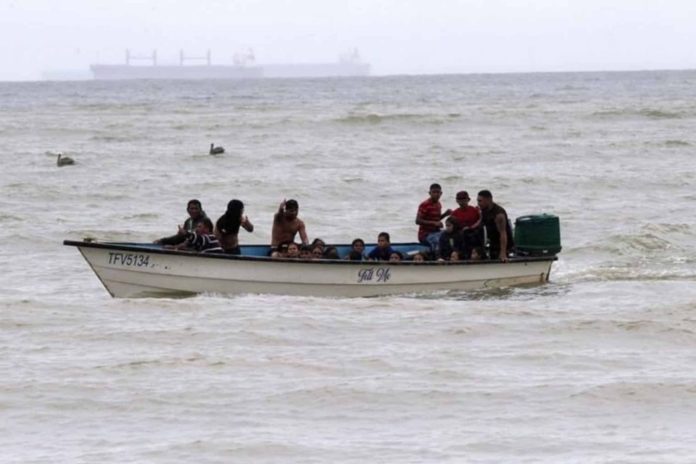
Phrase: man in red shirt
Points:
(429, 218)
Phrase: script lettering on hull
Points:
(372, 274)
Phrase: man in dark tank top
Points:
(495, 221)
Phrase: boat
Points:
(133, 270)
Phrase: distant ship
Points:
(348, 65)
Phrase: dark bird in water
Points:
(64, 160)
(216, 150)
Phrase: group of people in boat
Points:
(463, 235)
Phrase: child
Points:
(395, 257)
(357, 250)
(281, 251)
(419, 257)
(450, 240)
(305, 252)
(293, 251)
(201, 239)
(383, 250)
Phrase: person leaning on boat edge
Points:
(286, 224)
(495, 220)
(227, 227)
(201, 239)
(383, 250)
(196, 216)
(429, 218)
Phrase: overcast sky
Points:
(395, 36)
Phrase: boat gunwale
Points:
(267, 259)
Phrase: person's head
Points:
(331, 253)
(454, 256)
(462, 198)
(435, 192)
(358, 245)
(317, 242)
(229, 222)
(419, 257)
(395, 257)
(204, 227)
(293, 250)
(194, 208)
(306, 252)
(283, 249)
(235, 209)
(355, 256)
(451, 225)
(291, 209)
(476, 254)
(317, 252)
(484, 199)
(383, 240)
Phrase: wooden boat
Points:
(130, 270)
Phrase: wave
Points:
(659, 114)
(649, 113)
(373, 118)
(677, 143)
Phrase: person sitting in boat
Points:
(495, 221)
(196, 216)
(450, 240)
(317, 242)
(383, 250)
(395, 257)
(293, 251)
(286, 224)
(317, 252)
(419, 257)
(469, 221)
(227, 227)
(357, 250)
(305, 252)
(476, 254)
(201, 239)
(281, 251)
(331, 252)
(429, 218)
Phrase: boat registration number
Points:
(129, 259)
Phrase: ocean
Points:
(595, 366)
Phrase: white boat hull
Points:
(136, 271)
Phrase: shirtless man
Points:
(286, 224)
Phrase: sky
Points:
(394, 36)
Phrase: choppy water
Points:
(597, 366)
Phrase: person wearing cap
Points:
(468, 219)
(467, 216)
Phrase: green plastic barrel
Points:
(538, 235)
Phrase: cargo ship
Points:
(244, 67)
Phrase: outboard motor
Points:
(538, 235)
